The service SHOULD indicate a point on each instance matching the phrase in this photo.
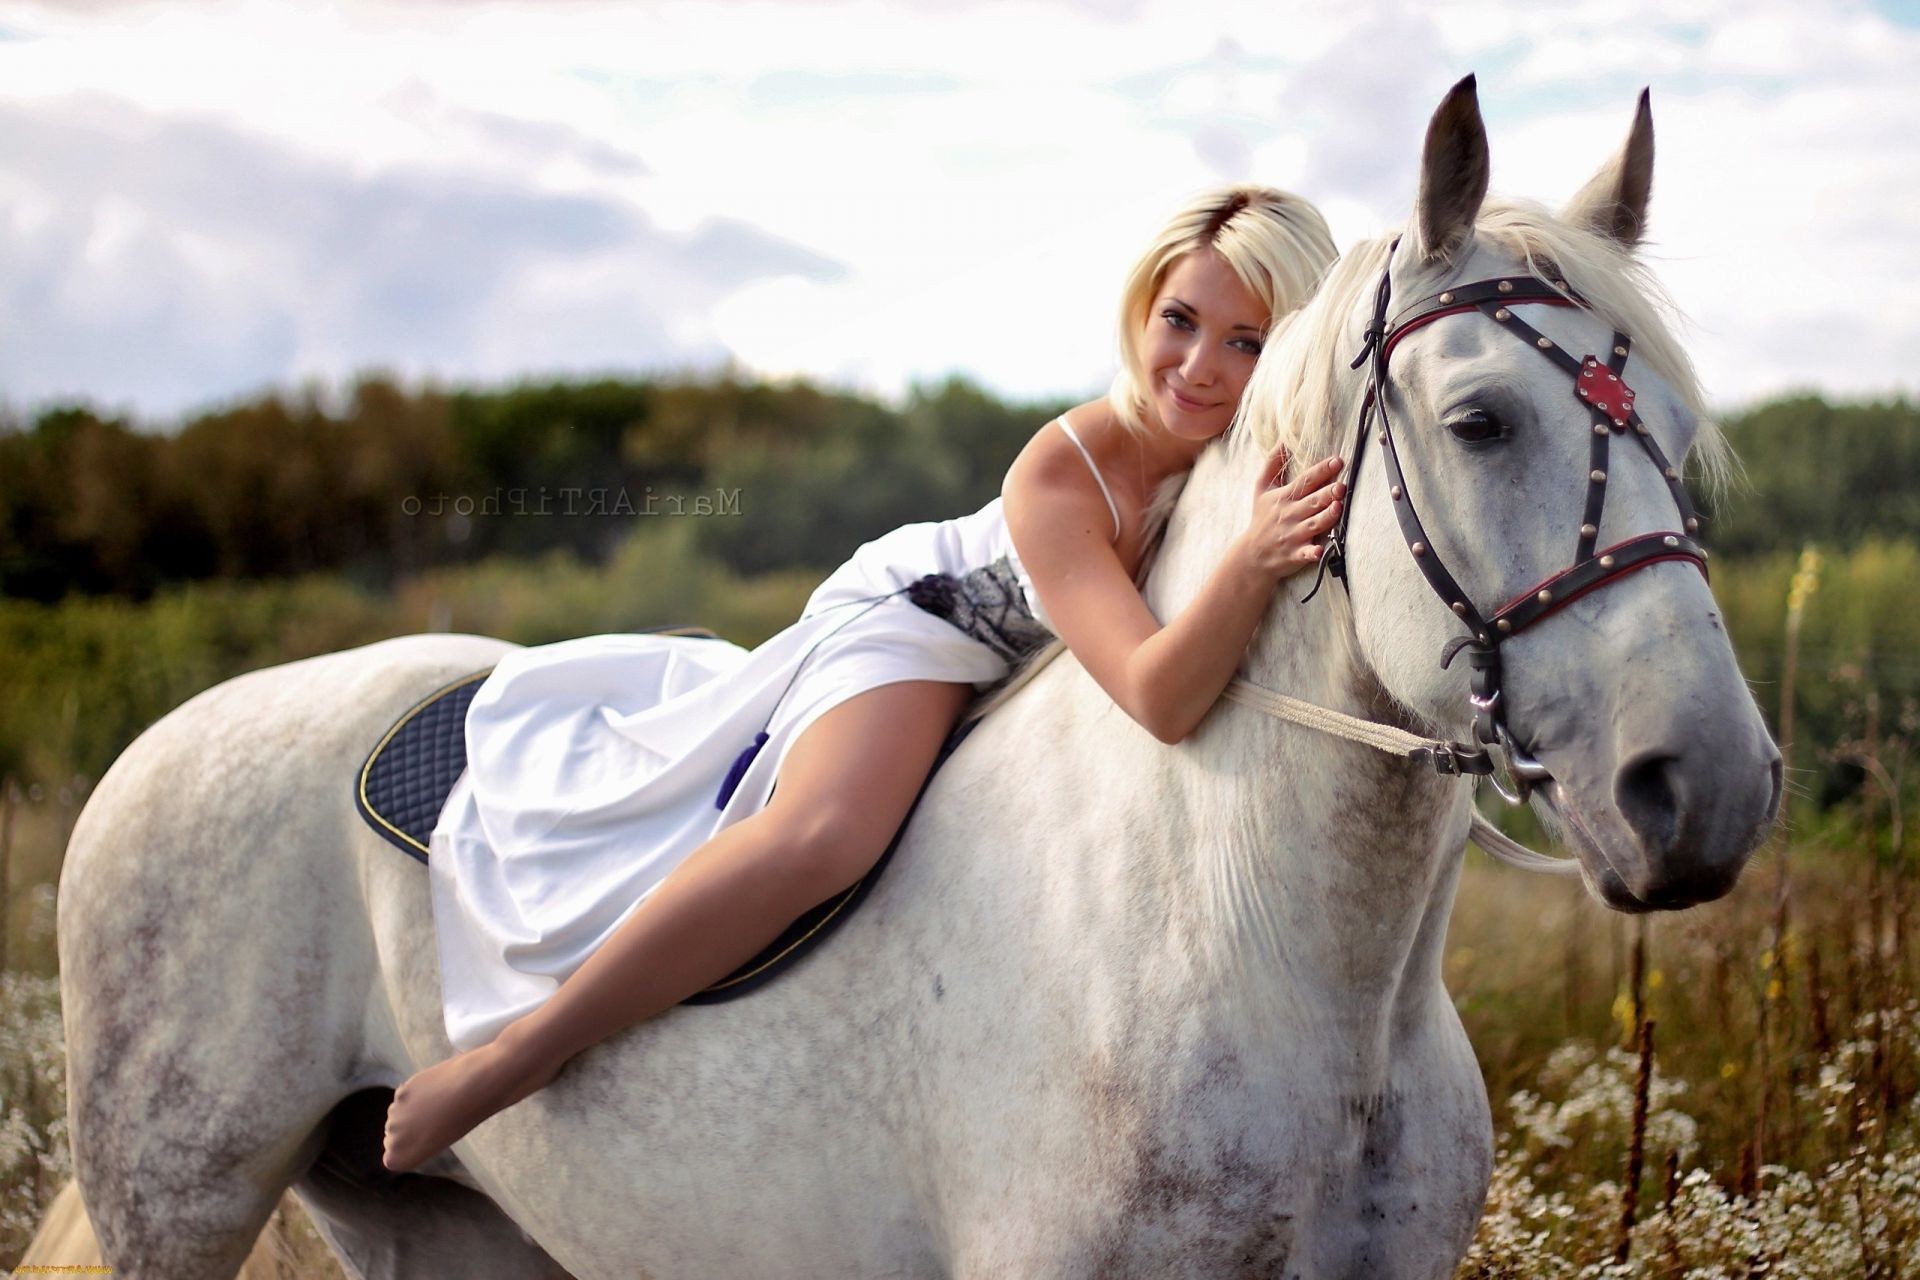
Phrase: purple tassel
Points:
(739, 770)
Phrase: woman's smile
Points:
(1201, 340)
(1188, 402)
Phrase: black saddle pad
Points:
(404, 783)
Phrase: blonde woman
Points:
(612, 850)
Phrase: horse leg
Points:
(184, 1133)
(218, 967)
(214, 964)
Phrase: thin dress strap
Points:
(1068, 428)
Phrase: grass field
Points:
(1770, 1124)
(1769, 1129)
(1765, 1130)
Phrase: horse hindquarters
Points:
(216, 960)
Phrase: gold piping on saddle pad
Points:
(406, 778)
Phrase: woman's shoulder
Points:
(1051, 459)
(1052, 472)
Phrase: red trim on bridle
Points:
(1620, 571)
(1422, 321)
(1590, 379)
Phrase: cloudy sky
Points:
(202, 200)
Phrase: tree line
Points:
(395, 480)
(392, 481)
(1832, 474)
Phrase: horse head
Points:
(1519, 551)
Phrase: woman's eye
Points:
(1248, 345)
(1476, 426)
(1176, 319)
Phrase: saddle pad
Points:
(404, 783)
(408, 775)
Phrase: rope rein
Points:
(1408, 746)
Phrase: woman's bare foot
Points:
(434, 1108)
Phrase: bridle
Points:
(1601, 389)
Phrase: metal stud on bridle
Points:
(1601, 387)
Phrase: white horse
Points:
(1115, 1009)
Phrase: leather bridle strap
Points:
(1601, 388)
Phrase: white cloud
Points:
(184, 260)
(199, 198)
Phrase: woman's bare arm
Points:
(1165, 677)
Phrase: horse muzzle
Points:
(1665, 829)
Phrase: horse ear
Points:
(1453, 174)
(1614, 201)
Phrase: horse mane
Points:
(1301, 390)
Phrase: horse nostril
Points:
(1776, 771)
(1650, 801)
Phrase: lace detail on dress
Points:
(988, 604)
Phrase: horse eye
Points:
(1476, 426)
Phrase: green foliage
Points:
(71, 494)
(450, 509)
(853, 471)
(83, 677)
(273, 487)
(1819, 472)
(395, 481)
(1858, 684)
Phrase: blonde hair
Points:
(1276, 243)
(1302, 389)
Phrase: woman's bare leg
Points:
(843, 790)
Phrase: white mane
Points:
(1302, 389)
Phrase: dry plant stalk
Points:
(1572, 967)
(1637, 980)
(1717, 987)
(1775, 961)
(1817, 1005)
(6, 859)
(1762, 1075)
(1637, 1148)
(1853, 1002)
(1669, 1236)
(1902, 903)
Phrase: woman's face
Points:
(1202, 336)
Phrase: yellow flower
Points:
(1728, 1070)
(1654, 979)
(1766, 958)
(1773, 989)
(1806, 580)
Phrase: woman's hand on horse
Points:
(1288, 520)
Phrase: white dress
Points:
(594, 765)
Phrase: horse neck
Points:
(1307, 881)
